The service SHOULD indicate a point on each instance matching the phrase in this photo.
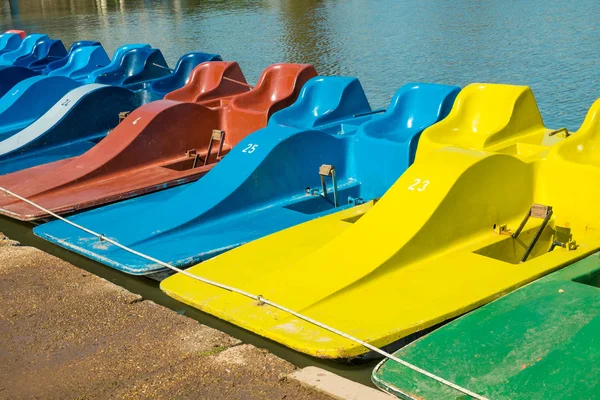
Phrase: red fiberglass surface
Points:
(161, 144)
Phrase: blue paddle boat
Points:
(327, 152)
(70, 118)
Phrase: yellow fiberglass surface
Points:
(443, 240)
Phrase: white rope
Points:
(258, 298)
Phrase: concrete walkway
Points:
(67, 334)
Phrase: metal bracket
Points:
(564, 132)
(536, 211)
(123, 115)
(219, 135)
(328, 170)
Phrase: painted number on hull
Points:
(250, 148)
(419, 185)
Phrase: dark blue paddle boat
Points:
(327, 152)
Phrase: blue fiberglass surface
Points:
(132, 66)
(47, 67)
(11, 75)
(259, 187)
(44, 51)
(29, 99)
(82, 62)
(9, 42)
(157, 89)
(25, 48)
(69, 128)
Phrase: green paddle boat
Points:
(539, 342)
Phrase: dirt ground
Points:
(68, 334)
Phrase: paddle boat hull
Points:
(163, 143)
(272, 179)
(438, 244)
(29, 100)
(69, 128)
(538, 342)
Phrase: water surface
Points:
(552, 46)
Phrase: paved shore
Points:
(68, 334)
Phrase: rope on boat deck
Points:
(258, 298)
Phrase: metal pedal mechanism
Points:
(536, 211)
(328, 170)
(324, 171)
(219, 135)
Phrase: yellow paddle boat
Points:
(494, 200)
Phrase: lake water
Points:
(552, 46)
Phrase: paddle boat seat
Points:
(137, 65)
(211, 81)
(161, 144)
(9, 41)
(79, 64)
(459, 228)
(25, 48)
(584, 148)
(49, 67)
(82, 62)
(158, 88)
(277, 88)
(44, 52)
(509, 123)
(269, 181)
(117, 60)
(181, 73)
(537, 342)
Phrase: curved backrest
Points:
(137, 65)
(211, 80)
(43, 52)
(584, 146)
(485, 115)
(324, 100)
(82, 62)
(117, 59)
(25, 48)
(18, 32)
(181, 74)
(278, 87)
(9, 42)
(63, 61)
(414, 107)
